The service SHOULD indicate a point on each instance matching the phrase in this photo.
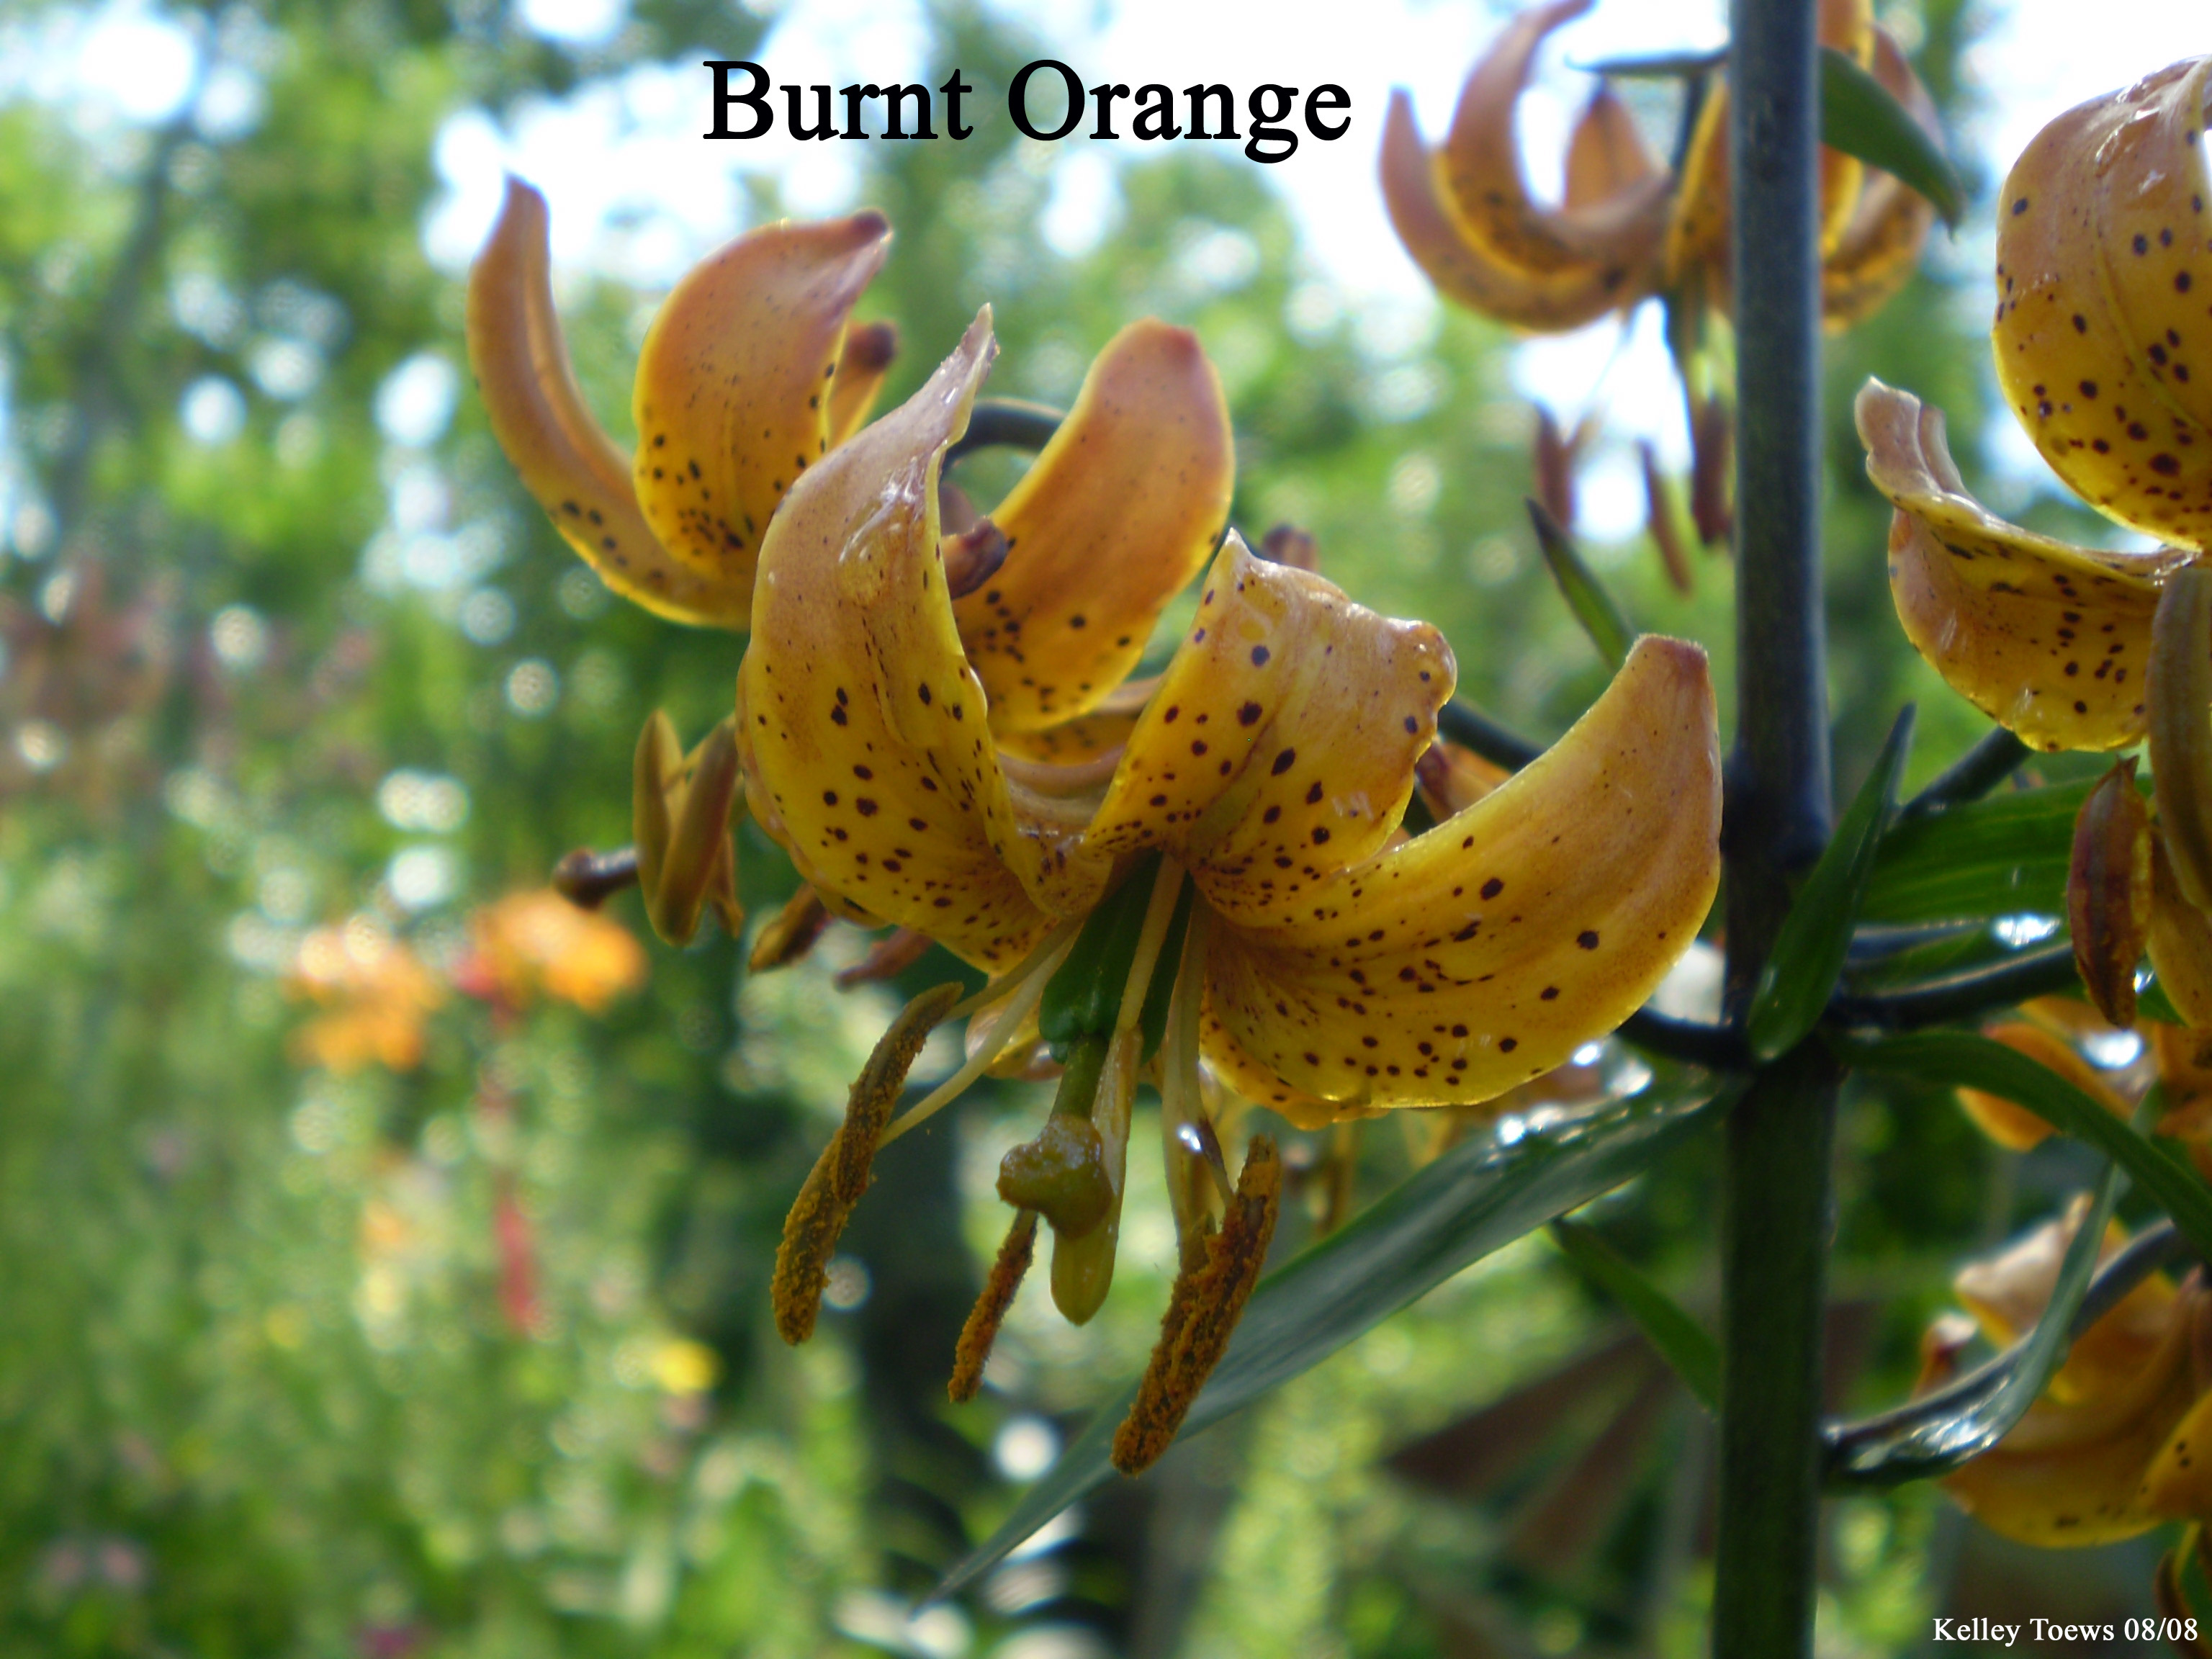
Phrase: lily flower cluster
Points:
(1628, 227)
(1199, 877)
(2104, 277)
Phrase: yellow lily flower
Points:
(751, 373)
(2115, 1446)
(1626, 227)
(1328, 967)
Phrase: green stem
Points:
(1777, 1192)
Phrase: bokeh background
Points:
(383, 1249)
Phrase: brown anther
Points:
(1711, 438)
(1659, 520)
(1202, 1313)
(791, 933)
(972, 557)
(588, 879)
(680, 809)
(1451, 779)
(887, 958)
(841, 1174)
(981, 1331)
(1554, 470)
(2108, 891)
(870, 346)
(1288, 545)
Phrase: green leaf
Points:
(1808, 958)
(1607, 624)
(1860, 118)
(2004, 856)
(1657, 66)
(1681, 1341)
(1924, 1445)
(1475, 1198)
(1965, 1059)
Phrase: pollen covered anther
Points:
(981, 1331)
(1203, 1312)
(841, 1174)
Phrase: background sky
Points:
(636, 193)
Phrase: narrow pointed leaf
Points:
(1657, 66)
(1860, 118)
(2005, 856)
(1607, 624)
(1928, 1445)
(1808, 953)
(1964, 1058)
(1680, 1340)
(1476, 1198)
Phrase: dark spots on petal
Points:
(1313, 795)
(1077, 620)
(866, 809)
(1284, 762)
(1587, 939)
(1507, 1045)
(1198, 746)
(1249, 714)
(1320, 834)
(2081, 324)
(829, 797)
(1493, 888)
(864, 774)
(1260, 654)
(1550, 994)
(1168, 718)
(1271, 815)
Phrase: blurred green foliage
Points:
(469, 1357)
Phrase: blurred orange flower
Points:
(536, 943)
(378, 992)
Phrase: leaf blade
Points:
(1859, 116)
(1683, 1343)
(1808, 958)
(1601, 616)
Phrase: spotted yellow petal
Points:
(1280, 745)
(1112, 521)
(2008, 1292)
(1470, 276)
(2104, 301)
(2178, 1484)
(539, 417)
(1478, 169)
(2048, 639)
(735, 381)
(1484, 951)
(868, 735)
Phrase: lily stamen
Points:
(981, 1333)
(840, 1175)
(1028, 992)
(1203, 1311)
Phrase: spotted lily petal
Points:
(1281, 744)
(565, 460)
(1486, 950)
(2104, 301)
(1479, 169)
(2046, 638)
(868, 735)
(1472, 277)
(1113, 520)
(735, 381)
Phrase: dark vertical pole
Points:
(1774, 1227)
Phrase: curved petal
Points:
(2012, 1125)
(2104, 283)
(1479, 170)
(868, 737)
(1606, 156)
(2046, 638)
(1486, 951)
(1467, 276)
(862, 365)
(734, 381)
(564, 458)
(1280, 745)
(2008, 1292)
(1879, 247)
(1110, 522)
